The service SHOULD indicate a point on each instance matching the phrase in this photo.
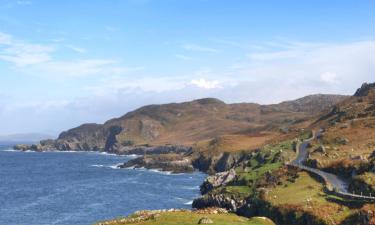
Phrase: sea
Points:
(81, 188)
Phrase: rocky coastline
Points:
(174, 163)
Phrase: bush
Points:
(128, 143)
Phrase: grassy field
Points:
(191, 218)
(307, 194)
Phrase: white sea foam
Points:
(68, 151)
(116, 166)
(162, 172)
(106, 153)
(10, 150)
(97, 165)
(188, 203)
(107, 166)
(132, 156)
(191, 188)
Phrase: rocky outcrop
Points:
(363, 184)
(217, 180)
(367, 215)
(220, 162)
(230, 203)
(166, 162)
(372, 156)
(22, 147)
(205, 220)
(145, 150)
(32, 147)
(364, 89)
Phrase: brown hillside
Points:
(349, 129)
(190, 122)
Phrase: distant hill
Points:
(189, 122)
(24, 137)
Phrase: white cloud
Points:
(272, 73)
(267, 56)
(329, 77)
(80, 68)
(198, 48)
(23, 2)
(5, 39)
(206, 84)
(184, 57)
(76, 49)
(22, 53)
(38, 59)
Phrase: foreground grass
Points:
(192, 218)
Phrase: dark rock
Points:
(143, 150)
(320, 150)
(367, 215)
(364, 89)
(111, 142)
(21, 147)
(217, 180)
(219, 200)
(172, 162)
(372, 156)
(341, 140)
(219, 162)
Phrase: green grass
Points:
(306, 134)
(191, 218)
(254, 174)
(308, 194)
(269, 159)
(240, 191)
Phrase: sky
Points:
(64, 63)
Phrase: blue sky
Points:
(63, 63)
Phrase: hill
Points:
(24, 137)
(190, 122)
(263, 183)
(349, 128)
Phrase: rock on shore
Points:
(175, 163)
(217, 180)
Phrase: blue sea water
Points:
(80, 188)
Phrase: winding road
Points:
(337, 183)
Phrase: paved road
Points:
(337, 183)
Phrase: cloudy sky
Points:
(63, 63)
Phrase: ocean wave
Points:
(10, 150)
(69, 151)
(29, 151)
(132, 156)
(116, 166)
(160, 171)
(107, 166)
(106, 153)
(184, 201)
(190, 187)
(189, 202)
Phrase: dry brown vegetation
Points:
(349, 131)
(234, 143)
(200, 120)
